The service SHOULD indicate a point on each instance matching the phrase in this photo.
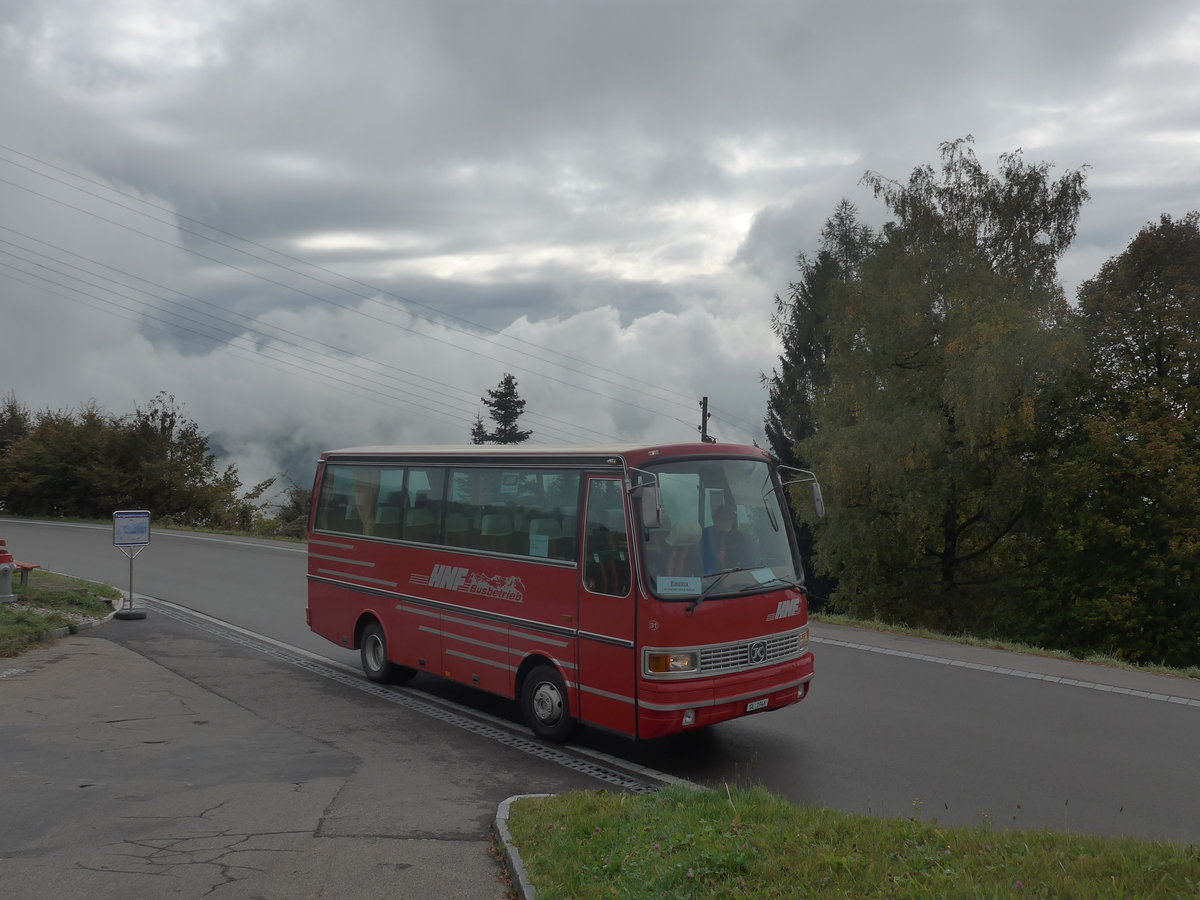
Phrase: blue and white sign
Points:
(131, 527)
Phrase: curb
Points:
(57, 634)
(512, 856)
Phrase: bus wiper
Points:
(717, 578)
(791, 582)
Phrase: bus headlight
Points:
(667, 663)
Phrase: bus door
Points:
(607, 673)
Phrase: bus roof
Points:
(611, 454)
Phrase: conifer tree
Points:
(505, 407)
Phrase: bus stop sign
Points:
(131, 535)
(131, 528)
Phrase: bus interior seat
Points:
(496, 532)
(549, 529)
(458, 529)
(684, 544)
(419, 524)
(387, 521)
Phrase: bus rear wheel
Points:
(374, 655)
(545, 706)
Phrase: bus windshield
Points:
(724, 531)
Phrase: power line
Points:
(367, 297)
(262, 330)
(509, 365)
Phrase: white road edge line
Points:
(1015, 673)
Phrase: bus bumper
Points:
(669, 707)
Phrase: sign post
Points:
(131, 535)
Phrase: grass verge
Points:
(683, 843)
(48, 603)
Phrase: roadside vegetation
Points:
(996, 459)
(47, 604)
(85, 463)
(684, 843)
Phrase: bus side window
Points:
(606, 540)
(423, 504)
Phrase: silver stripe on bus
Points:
(541, 638)
(480, 660)
(418, 610)
(541, 628)
(341, 559)
(620, 698)
(466, 640)
(358, 577)
(606, 639)
(337, 544)
(510, 650)
(674, 707)
(473, 624)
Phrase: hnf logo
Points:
(456, 578)
(785, 608)
(449, 577)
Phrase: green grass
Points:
(683, 843)
(47, 603)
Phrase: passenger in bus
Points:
(723, 545)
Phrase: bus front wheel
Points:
(545, 706)
(373, 652)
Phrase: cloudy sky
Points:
(325, 224)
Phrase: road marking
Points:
(1015, 673)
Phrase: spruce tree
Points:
(504, 407)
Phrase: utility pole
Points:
(703, 429)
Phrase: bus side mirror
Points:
(651, 506)
(807, 477)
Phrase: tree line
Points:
(997, 461)
(86, 463)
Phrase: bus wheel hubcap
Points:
(375, 653)
(547, 703)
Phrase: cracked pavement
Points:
(145, 760)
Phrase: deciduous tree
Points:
(1125, 540)
(942, 351)
(15, 422)
(88, 463)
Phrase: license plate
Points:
(757, 704)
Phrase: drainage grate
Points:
(405, 699)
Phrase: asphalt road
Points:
(894, 726)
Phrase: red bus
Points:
(643, 590)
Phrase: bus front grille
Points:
(751, 654)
